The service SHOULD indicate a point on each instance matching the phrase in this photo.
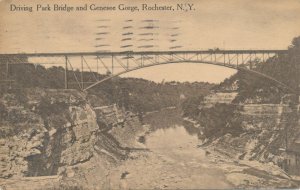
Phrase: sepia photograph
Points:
(156, 94)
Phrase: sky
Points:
(226, 24)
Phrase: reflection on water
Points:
(172, 137)
(169, 119)
(191, 129)
(176, 141)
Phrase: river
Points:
(173, 162)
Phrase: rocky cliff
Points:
(43, 130)
(250, 129)
(53, 132)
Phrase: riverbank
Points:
(164, 153)
(176, 160)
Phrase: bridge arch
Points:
(231, 66)
(234, 59)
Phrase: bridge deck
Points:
(117, 63)
(146, 52)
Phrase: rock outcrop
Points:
(60, 133)
(219, 98)
(247, 130)
(45, 130)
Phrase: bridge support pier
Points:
(112, 64)
(81, 74)
(66, 72)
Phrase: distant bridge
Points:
(118, 63)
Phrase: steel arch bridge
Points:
(118, 63)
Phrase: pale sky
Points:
(227, 24)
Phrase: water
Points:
(174, 162)
(175, 140)
(179, 146)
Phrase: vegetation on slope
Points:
(284, 68)
(136, 95)
(221, 118)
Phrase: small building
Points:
(293, 159)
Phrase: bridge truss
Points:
(113, 64)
